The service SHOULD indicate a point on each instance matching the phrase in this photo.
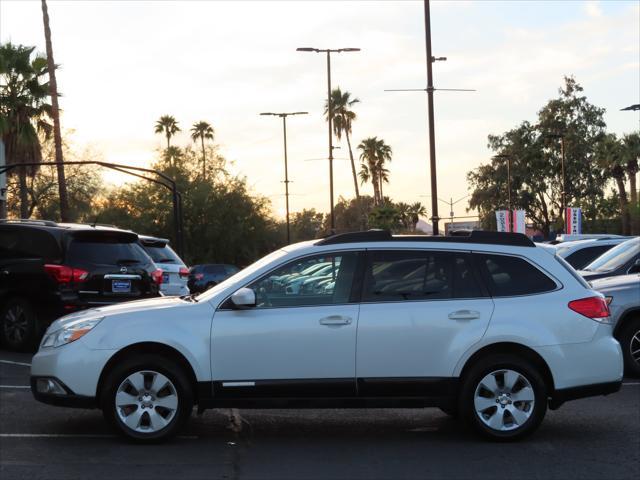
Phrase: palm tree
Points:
(202, 130)
(404, 213)
(610, 157)
(23, 110)
(172, 155)
(416, 210)
(55, 113)
(167, 124)
(631, 143)
(343, 118)
(374, 154)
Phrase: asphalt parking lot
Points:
(590, 438)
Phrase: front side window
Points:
(511, 276)
(418, 275)
(317, 280)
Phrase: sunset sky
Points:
(126, 63)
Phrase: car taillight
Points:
(199, 276)
(157, 276)
(184, 272)
(64, 274)
(595, 308)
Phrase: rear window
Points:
(163, 254)
(18, 242)
(511, 276)
(107, 252)
(584, 256)
(215, 269)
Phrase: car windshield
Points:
(616, 257)
(242, 274)
(163, 254)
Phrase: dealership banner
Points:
(503, 220)
(511, 221)
(574, 220)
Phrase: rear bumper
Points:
(584, 391)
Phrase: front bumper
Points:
(66, 399)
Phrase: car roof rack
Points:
(30, 221)
(475, 236)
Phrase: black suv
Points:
(48, 270)
(203, 277)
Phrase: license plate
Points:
(121, 286)
(165, 278)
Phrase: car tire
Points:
(629, 338)
(503, 397)
(18, 325)
(147, 398)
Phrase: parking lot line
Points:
(631, 383)
(11, 362)
(76, 435)
(15, 386)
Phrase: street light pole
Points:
(328, 51)
(286, 166)
(432, 141)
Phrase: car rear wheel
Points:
(147, 398)
(503, 397)
(630, 342)
(18, 325)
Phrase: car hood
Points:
(118, 309)
(616, 282)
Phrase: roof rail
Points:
(475, 236)
(48, 223)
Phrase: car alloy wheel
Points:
(146, 401)
(504, 400)
(16, 324)
(634, 348)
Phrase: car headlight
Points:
(70, 332)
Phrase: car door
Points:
(295, 342)
(421, 310)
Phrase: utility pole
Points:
(432, 139)
(286, 167)
(328, 51)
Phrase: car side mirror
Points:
(243, 299)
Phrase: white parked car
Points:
(175, 273)
(487, 326)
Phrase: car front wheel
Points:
(503, 397)
(630, 342)
(147, 398)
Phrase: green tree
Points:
(343, 117)
(201, 131)
(385, 217)
(306, 225)
(55, 114)
(24, 111)
(416, 210)
(168, 126)
(631, 144)
(610, 156)
(374, 153)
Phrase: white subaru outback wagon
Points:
(488, 327)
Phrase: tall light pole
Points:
(328, 51)
(286, 167)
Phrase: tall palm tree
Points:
(23, 110)
(202, 130)
(172, 155)
(610, 157)
(631, 143)
(167, 124)
(55, 113)
(373, 157)
(343, 117)
(416, 210)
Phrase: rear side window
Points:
(418, 275)
(18, 242)
(107, 252)
(585, 256)
(511, 276)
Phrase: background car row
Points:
(48, 270)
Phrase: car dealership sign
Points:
(513, 221)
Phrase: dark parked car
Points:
(203, 277)
(622, 259)
(48, 270)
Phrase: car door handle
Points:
(464, 315)
(335, 320)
